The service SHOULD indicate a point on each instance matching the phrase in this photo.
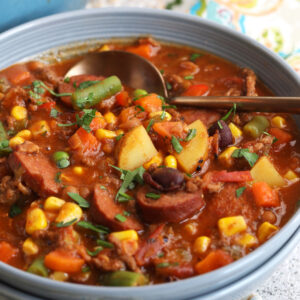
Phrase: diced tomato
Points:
(167, 129)
(47, 106)
(144, 50)
(150, 247)
(122, 98)
(84, 140)
(281, 135)
(236, 176)
(214, 260)
(150, 103)
(264, 195)
(7, 251)
(196, 90)
(98, 122)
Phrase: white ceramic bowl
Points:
(35, 37)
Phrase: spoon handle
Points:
(262, 104)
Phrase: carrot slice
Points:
(150, 103)
(84, 140)
(144, 50)
(196, 90)
(264, 195)
(236, 176)
(167, 129)
(61, 261)
(7, 251)
(98, 122)
(281, 135)
(214, 260)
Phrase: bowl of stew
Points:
(107, 191)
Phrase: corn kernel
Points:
(15, 141)
(19, 113)
(39, 128)
(53, 203)
(30, 247)
(157, 115)
(225, 157)
(105, 134)
(278, 122)
(191, 228)
(232, 225)
(59, 276)
(105, 47)
(265, 230)
(78, 170)
(201, 244)
(119, 131)
(291, 175)
(157, 160)
(171, 162)
(110, 118)
(125, 235)
(25, 134)
(247, 240)
(36, 220)
(235, 131)
(68, 212)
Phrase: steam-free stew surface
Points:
(102, 184)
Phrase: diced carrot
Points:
(264, 195)
(98, 122)
(214, 260)
(236, 176)
(167, 129)
(122, 98)
(20, 77)
(281, 135)
(7, 251)
(196, 90)
(84, 140)
(47, 106)
(150, 247)
(61, 261)
(150, 103)
(144, 50)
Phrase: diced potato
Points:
(265, 171)
(135, 149)
(291, 175)
(196, 150)
(225, 157)
(247, 240)
(265, 231)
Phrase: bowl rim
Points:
(211, 276)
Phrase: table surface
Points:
(274, 23)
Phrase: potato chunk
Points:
(135, 149)
(265, 171)
(196, 150)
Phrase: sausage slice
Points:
(170, 207)
(35, 168)
(104, 210)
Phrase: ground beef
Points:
(47, 75)
(262, 146)
(103, 262)
(15, 96)
(9, 193)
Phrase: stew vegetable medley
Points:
(105, 185)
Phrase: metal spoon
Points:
(139, 73)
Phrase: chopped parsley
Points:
(168, 85)
(191, 134)
(118, 137)
(176, 145)
(65, 124)
(245, 153)
(151, 122)
(66, 224)
(87, 118)
(232, 110)
(168, 107)
(140, 107)
(94, 253)
(39, 84)
(34, 95)
(153, 196)
(189, 77)
(120, 218)
(14, 211)
(67, 80)
(126, 213)
(96, 228)
(105, 244)
(80, 201)
(54, 113)
(240, 191)
(194, 56)
(57, 178)
(220, 125)
(162, 71)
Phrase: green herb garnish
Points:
(66, 224)
(80, 201)
(38, 83)
(14, 211)
(86, 119)
(54, 113)
(140, 107)
(220, 125)
(189, 77)
(232, 110)
(194, 56)
(153, 196)
(151, 122)
(120, 218)
(176, 145)
(94, 253)
(57, 177)
(67, 80)
(191, 134)
(168, 85)
(167, 264)
(163, 115)
(96, 228)
(105, 244)
(249, 156)
(118, 137)
(240, 191)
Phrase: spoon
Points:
(139, 73)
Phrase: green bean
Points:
(139, 93)
(92, 95)
(256, 126)
(38, 268)
(124, 278)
